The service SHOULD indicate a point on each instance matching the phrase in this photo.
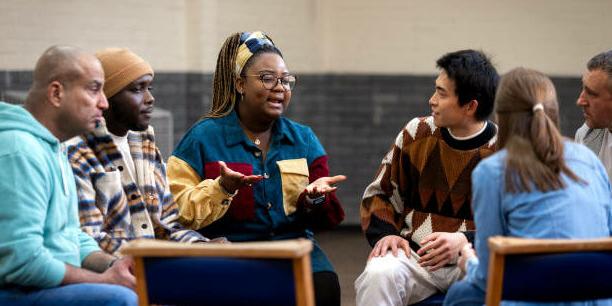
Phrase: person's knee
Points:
(382, 271)
(453, 293)
(463, 293)
(119, 296)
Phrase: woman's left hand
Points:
(323, 185)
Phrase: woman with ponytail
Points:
(539, 185)
(246, 172)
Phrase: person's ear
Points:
(471, 108)
(239, 83)
(55, 93)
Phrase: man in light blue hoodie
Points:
(45, 258)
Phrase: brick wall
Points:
(356, 117)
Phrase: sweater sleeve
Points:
(170, 212)
(200, 202)
(24, 185)
(382, 204)
(326, 214)
(87, 245)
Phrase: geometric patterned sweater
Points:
(423, 184)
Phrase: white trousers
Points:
(401, 281)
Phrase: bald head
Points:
(59, 63)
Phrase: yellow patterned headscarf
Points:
(249, 44)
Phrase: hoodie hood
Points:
(14, 117)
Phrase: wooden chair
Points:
(245, 273)
(549, 270)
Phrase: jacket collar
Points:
(234, 134)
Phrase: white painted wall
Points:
(316, 36)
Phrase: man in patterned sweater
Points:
(120, 175)
(416, 213)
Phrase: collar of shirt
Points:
(235, 135)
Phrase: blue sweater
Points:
(38, 209)
(578, 211)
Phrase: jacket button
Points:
(265, 175)
(269, 206)
(133, 196)
(257, 154)
(144, 226)
(120, 168)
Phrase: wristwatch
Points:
(318, 200)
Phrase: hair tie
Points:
(537, 107)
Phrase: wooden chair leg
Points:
(303, 281)
(141, 283)
(495, 279)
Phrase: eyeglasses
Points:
(270, 81)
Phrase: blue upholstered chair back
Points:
(249, 273)
(539, 270)
(558, 277)
(219, 281)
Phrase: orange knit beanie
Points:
(121, 67)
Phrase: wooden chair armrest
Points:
(513, 245)
(294, 248)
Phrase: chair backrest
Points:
(243, 273)
(549, 270)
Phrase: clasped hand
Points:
(438, 249)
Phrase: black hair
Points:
(475, 78)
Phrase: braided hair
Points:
(224, 87)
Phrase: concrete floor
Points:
(348, 250)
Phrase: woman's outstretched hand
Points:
(323, 185)
(231, 180)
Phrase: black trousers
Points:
(326, 288)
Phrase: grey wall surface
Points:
(356, 117)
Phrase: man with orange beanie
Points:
(120, 174)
